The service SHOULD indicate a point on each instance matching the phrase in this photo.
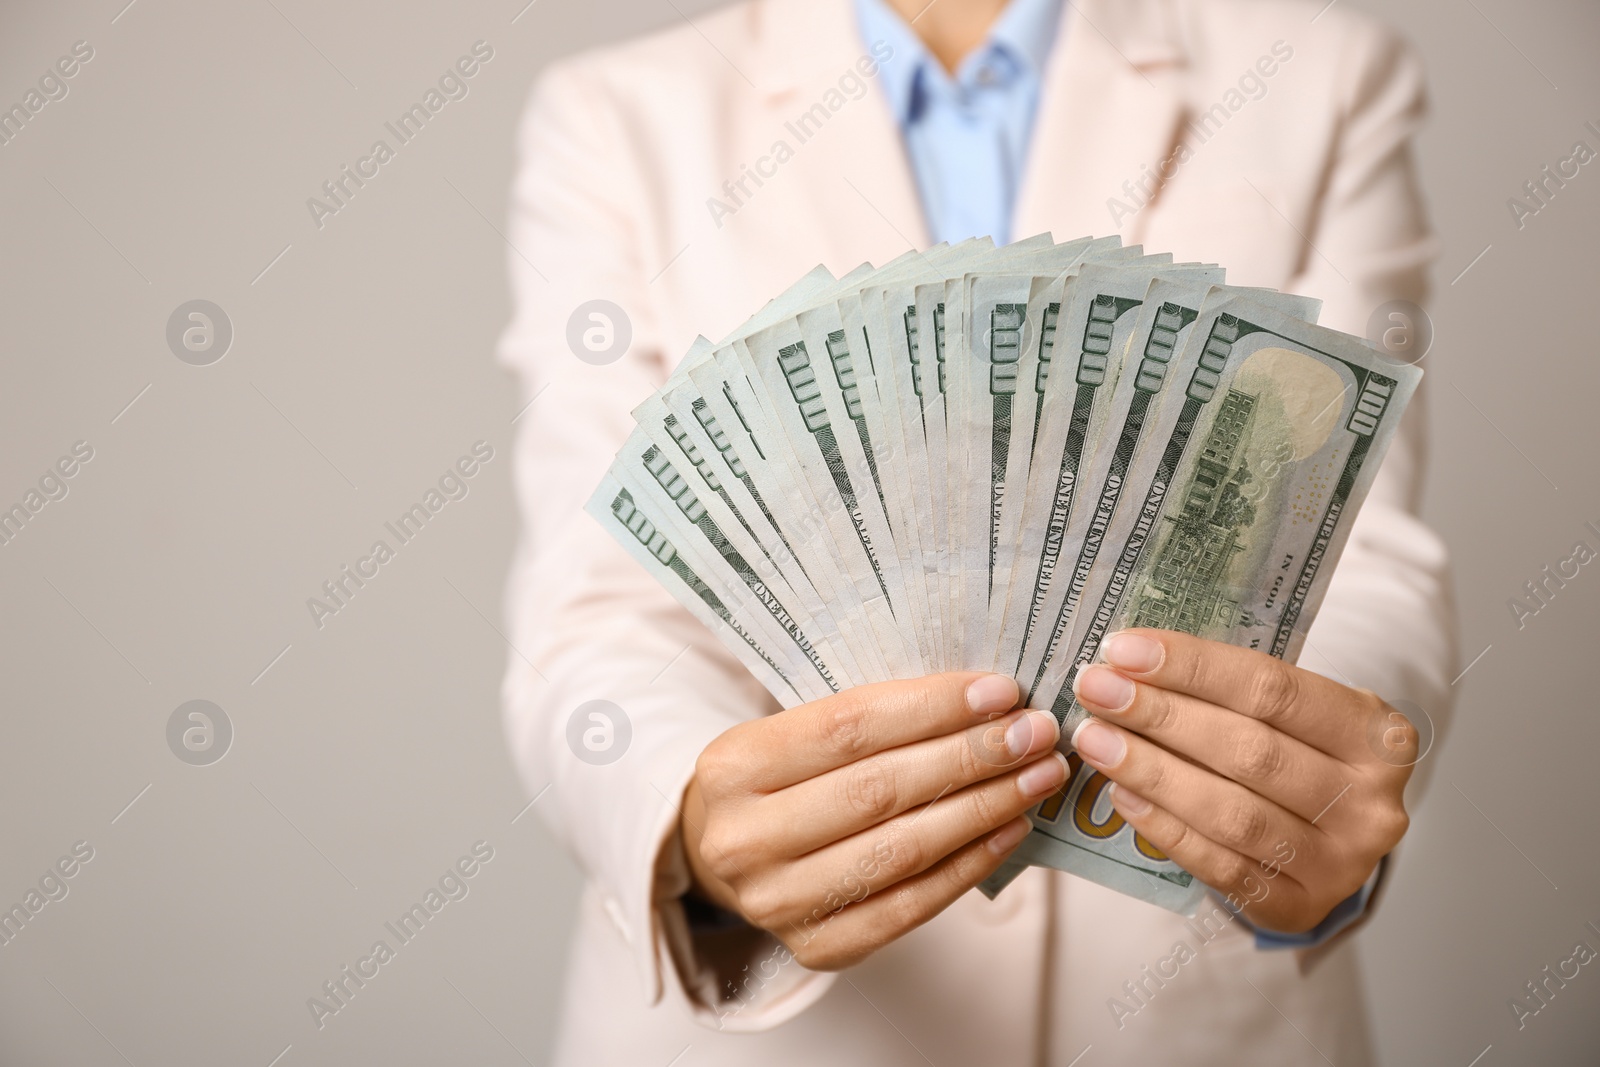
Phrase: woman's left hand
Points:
(1229, 761)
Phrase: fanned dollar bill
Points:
(986, 458)
(707, 596)
(1280, 427)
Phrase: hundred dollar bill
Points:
(840, 389)
(882, 425)
(1111, 448)
(616, 509)
(1018, 427)
(663, 493)
(892, 412)
(947, 301)
(810, 510)
(1072, 382)
(1021, 430)
(742, 462)
(1159, 325)
(737, 520)
(799, 551)
(889, 317)
(810, 416)
(1004, 317)
(840, 454)
(1281, 427)
(1166, 433)
(928, 344)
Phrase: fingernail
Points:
(1009, 836)
(1043, 777)
(1133, 653)
(1034, 732)
(1127, 803)
(1099, 745)
(1104, 688)
(991, 693)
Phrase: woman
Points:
(670, 186)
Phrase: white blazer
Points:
(1300, 180)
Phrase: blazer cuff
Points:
(733, 977)
(1345, 914)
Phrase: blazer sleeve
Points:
(1388, 623)
(586, 622)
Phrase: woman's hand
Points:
(842, 824)
(1229, 761)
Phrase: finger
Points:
(844, 801)
(807, 740)
(832, 940)
(1298, 702)
(1261, 889)
(1258, 756)
(1222, 810)
(912, 842)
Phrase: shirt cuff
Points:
(1344, 914)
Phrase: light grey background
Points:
(367, 754)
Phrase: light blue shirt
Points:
(967, 140)
(966, 137)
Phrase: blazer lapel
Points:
(1109, 114)
(860, 186)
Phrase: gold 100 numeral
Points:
(1083, 809)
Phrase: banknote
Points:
(1178, 381)
(888, 319)
(811, 515)
(883, 433)
(763, 600)
(617, 511)
(1091, 337)
(985, 390)
(733, 523)
(1280, 431)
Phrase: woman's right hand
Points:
(842, 824)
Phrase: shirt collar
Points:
(1024, 34)
(1026, 29)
